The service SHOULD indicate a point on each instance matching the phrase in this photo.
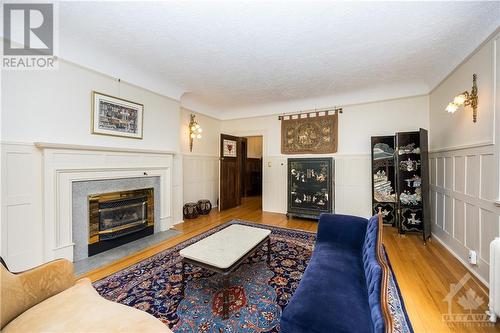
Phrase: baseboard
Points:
(479, 277)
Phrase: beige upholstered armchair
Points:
(49, 299)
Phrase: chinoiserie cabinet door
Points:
(413, 182)
(383, 162)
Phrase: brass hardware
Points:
(95, 200)
(466, 99)
(312, 111)
(122, 227)
(194, 131)
(126, 206)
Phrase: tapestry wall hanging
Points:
(309, 135)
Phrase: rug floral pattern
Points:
(258, 292)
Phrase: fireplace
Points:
(119, 217)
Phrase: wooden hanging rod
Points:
(312, 111)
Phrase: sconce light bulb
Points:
(452, 108)
(459, 99)
(198, 136)
(200, 130)
(193, 128)
(193, 135)
(197, 126)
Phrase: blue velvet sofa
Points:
(341, 287)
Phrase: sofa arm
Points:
(344, 230)
(21, 291)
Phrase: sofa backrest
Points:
(21, 291)
(373, 274)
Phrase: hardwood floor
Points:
(424, 273)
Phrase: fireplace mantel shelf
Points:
(48, 145)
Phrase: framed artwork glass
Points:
(116, 116)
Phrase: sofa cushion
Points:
(81, 309)
(331, 296)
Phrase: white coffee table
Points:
(224, 251)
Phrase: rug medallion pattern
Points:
(258, 292)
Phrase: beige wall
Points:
(209, 143)
(200, 168)
(464, 161)
(254, 146)
(356, 125)
(458, 130)
(55, 107)
(352, 162)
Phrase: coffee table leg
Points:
(225, 304)
(183, 283)
(269, 251)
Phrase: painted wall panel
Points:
(471, 226)
(489, 230)
(448, 214)
(488, 185)
(459, 221)
(471, 179)
(459, 174)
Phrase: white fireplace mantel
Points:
(48, 145)
(64, 164)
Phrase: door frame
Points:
(264, 134)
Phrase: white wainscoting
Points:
(62, 166)
(35, 185)
(21, 207)
(201, 178)
(352, 184)
(463, 194)
(274, 184)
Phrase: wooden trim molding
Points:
(389, 325)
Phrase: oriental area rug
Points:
(258, 292)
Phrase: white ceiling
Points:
(238, 59)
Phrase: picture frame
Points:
(116, 116)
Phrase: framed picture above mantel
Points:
(116, 116)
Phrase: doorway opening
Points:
(240, 170)
(251, 166)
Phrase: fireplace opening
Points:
(119, 217)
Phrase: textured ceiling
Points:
(236, 59)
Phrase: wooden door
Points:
(230, 163)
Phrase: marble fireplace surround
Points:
(65, 164)
(80, 209)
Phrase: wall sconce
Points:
(466, 99)
(194, 131)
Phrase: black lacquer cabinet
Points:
(310, 187)
(400, 181)
(384, 198)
